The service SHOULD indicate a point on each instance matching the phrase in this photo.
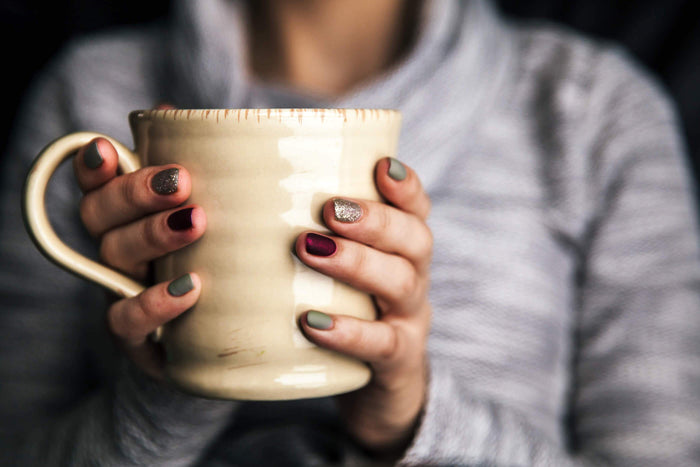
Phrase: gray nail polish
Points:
(181, 286)
(165, 182)
(318, 320)
(92, 157)
(397, 171)
(346, 211)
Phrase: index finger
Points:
(400, 185)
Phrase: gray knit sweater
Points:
(565, 279)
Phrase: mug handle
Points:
(37, 222)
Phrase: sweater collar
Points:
(206, 54)
(207, 64)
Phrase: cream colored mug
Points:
(262, 176)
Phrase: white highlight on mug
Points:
(315, 171)
(304, 376)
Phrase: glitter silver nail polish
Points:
(346, 211)
(165, 182)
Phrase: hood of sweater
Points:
(449, 77)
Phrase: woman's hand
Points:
(384, 250)
(138, 217)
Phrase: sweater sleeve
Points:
(62, 401)
(635, 372)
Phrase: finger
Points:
(381, 226)
(128, 197)
(386, 346)
(132, 320)
(392, 279)
(95, 164)
(131, 247)
(369, 341)
(400, 185)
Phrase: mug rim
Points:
(261, 114)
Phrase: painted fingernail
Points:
(318, 245)
(397, 171)
(180, 220)
(346, 211)
(318, 320)
(92, 157)
(181, 286)
(165, 182)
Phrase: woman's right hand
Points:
(138, 217)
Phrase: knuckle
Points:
(364, 342)
(383, 223)
(360, 261)
(406, 285)
(356, 340)
(113, 323)
(391, 346)
(119, 323)
(152, 235)
(131, 191)
(143, 303)
(424, 247)
(112, 252)
(109, 249)
(150, 305)
(87, 210)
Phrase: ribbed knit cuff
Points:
(157, 424)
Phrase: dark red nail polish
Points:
(318, 245)
(180, 220)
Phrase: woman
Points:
(562, 310)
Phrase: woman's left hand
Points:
(385, 250)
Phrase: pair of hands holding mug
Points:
(382, 249)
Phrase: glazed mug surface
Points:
(261, 176)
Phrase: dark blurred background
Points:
(33, 30)
(662, 34)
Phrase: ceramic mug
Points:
(262, 176)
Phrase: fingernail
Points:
(319, 245)
(397, 171)
(181, 286)
(346, 211)
(180, 220)
(165, 182)
(318, 320)
(92, 157)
